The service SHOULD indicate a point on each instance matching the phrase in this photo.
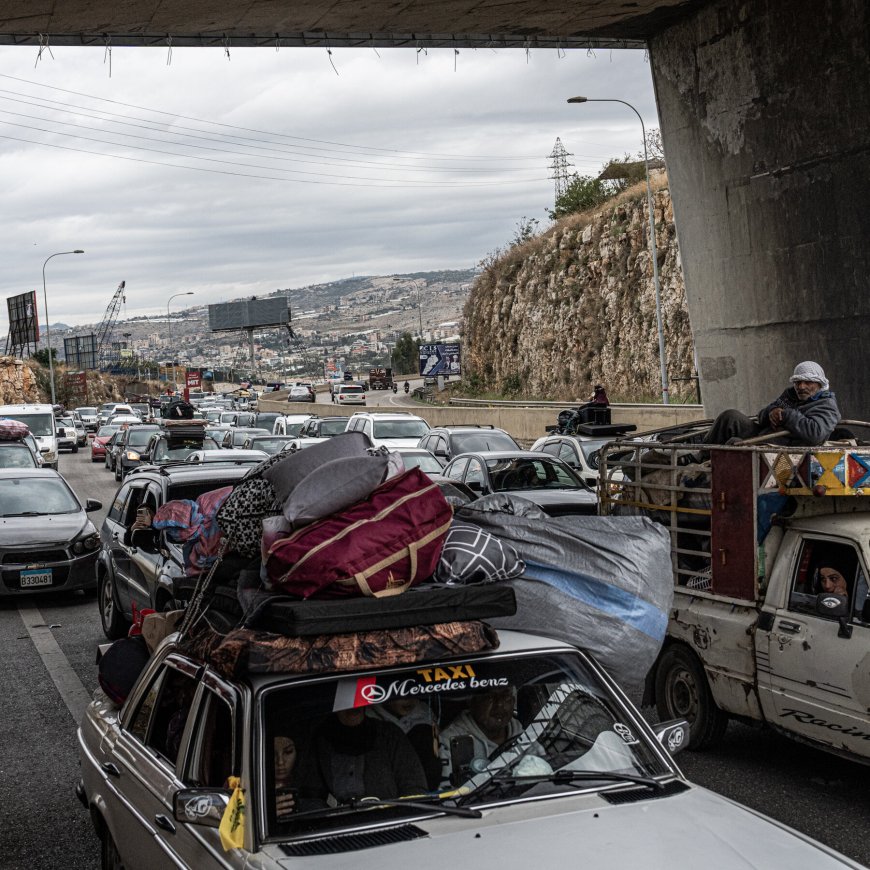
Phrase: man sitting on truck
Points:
(807, 410)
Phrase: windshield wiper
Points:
(26, 514)
(564, 777)
(356, 804)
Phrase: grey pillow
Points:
(471, 555)
(334, 486)
(286, 474)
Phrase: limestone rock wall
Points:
(17, 382)
(576, 306)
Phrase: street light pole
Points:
(652, 242)
(419, 309)
(169, 321)
(47, 326)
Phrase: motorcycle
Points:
(395, 388)
(407, 387)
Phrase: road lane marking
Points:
(74, 694)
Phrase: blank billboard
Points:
(248, 314)
(80, 351)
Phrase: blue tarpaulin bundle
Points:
(602, 583)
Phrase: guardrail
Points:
(527, 403)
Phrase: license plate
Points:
(36, 578)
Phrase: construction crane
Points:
(107, 324)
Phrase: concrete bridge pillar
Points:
(765, 117)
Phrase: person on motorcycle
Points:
(407, 387)
(395, 388)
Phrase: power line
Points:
(392, 151)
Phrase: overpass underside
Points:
(764, 108)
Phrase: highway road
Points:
(48, 667)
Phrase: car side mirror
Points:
(476, 485)
(673, 734)
(200, 806)
(92, 504)
(442, 452)
(144, 539)
(833, 606)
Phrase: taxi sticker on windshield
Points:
(625, 733)
(364, 691)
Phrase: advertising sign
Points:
(440, 359)
(80, 351)
(23, 324)
(194, 380)
(248, 314)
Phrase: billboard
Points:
(80, 351)
(440, 359)
(23, 322)
(248, 314)
(193, 380)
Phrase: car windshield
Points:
(227, 417)
(87, 412)
(107, 431)
(328, 428)
(40, 496)
(477, 441)
(65, 421)
(293, 429)
(351, 389)
(269, 445)
(16, 456)
(400, 428)
(423, 460)
(180, 448)
(242, 435)
(39, 424)
(526, 725)
(521, 474)
(138, 436)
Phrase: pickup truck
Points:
(761, 630)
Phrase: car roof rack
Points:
(466, 426)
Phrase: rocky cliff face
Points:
(17, 382)
(575, 306)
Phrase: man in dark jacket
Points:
(807, 410)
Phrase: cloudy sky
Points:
(242, 175)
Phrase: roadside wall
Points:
(524, 424)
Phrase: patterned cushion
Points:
(241, 515)
(471, 555)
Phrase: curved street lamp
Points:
(652, 241)
(47, 326)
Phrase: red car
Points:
(98, 445)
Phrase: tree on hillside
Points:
(406, 354)
(583, 192)
(41, 356)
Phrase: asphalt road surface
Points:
(48, 667)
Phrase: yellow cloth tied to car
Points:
(232, 826)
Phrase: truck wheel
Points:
(110, 859)
(682, 692)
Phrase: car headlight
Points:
(49, 455)
(87, 544)
(132, 455)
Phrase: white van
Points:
(40, 420)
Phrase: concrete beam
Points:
(765, 117)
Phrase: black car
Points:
(141, 566)
(236, 437)
(543, 479)
(129, 448)
(323, 427)
(47, 542)
(446, 442)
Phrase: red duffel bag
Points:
(380, 546)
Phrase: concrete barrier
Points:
(524, 424)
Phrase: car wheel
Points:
(115, 625)
(682, 692)
(118, 475)
(110, 858)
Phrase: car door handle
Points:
(790, 627)
(164, 822)
(110, 768)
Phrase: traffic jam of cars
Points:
(358, 635)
